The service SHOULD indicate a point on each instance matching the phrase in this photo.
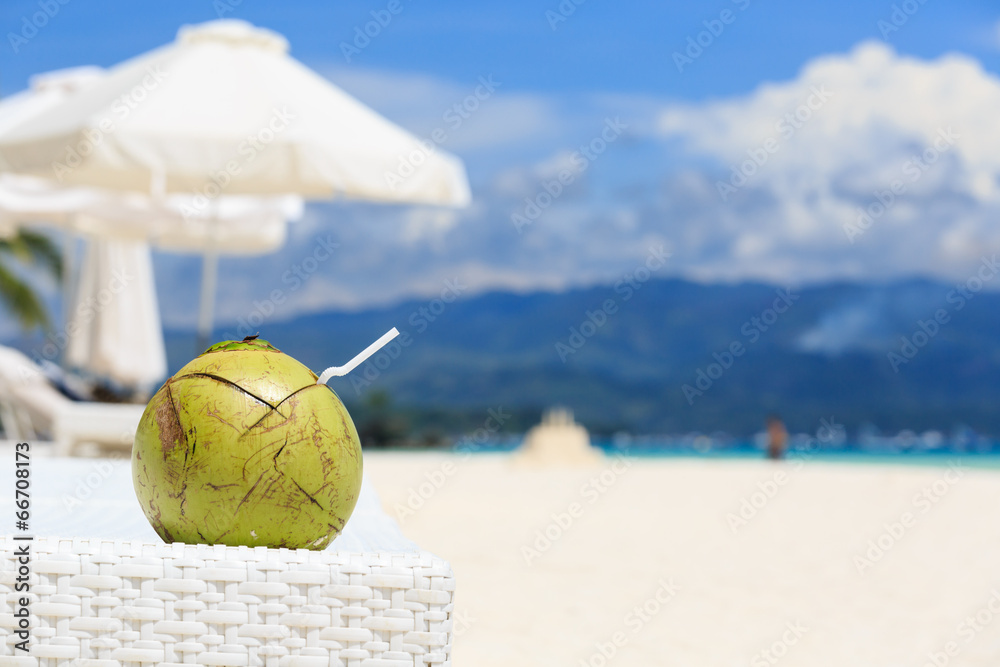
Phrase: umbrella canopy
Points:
(122, 339)
(182, 223)
(225, 109)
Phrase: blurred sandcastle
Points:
(558, 440)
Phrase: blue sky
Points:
(602, 47)
(890, 95)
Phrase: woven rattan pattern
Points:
(117, 603)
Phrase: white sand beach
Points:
(651, 569)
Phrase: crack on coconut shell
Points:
(223, 380)
(308, 495)
(300, 389)
(252, 489)
(278, 453)
(274, 408)
(263, 451)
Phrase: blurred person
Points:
(777, 437)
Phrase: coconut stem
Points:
(359, 359)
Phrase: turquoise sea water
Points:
(980, 453)
(938, 459)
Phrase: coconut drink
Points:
(247, 446)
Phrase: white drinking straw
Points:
(359, 359)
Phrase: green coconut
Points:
(243, 447)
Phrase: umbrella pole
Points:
(209, 277)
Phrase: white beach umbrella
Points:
(185, 223)
(120, 226)
(225, 110)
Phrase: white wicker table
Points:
(108, 592)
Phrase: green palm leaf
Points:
(16, 295)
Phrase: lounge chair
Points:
(32, 408)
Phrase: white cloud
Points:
(426, 222)
(497, 117)
(876, 118)
(524, 180)
(785, 226)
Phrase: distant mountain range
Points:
(669, 356)
(662, 357)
